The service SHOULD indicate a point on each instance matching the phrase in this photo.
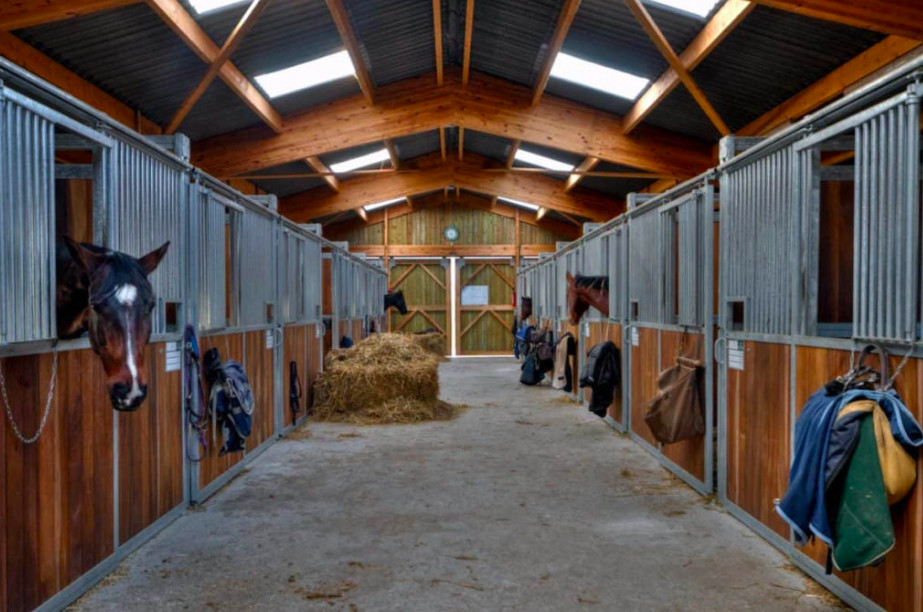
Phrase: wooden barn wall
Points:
(426, 227)
(598, 334)
(57, 497)
(230, 346)
(301, 345)
(425, 293)
(487, 329)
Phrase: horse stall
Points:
(669, 303)
(820, 256)
(82, 485)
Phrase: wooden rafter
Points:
(329, 177)
(580, 171)
(716, 30)
(191, 33)
(511, 156)
(663, 45)
(833, 85)
(363, 214)
(565, 19)
(442, 142)
(469, 174)
(18, 14)
(437, 36)
(469, 34)
(896, 17)
(461, 143)
(542, 211)
(392, 154)
(351, 43)
(488, 104)
(457, 250)
(246, 23)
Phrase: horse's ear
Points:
(84, 257)
(150, 261)
(570, 278)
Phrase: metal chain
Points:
(9, 411)
(900, 367)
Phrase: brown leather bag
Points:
(677, 413)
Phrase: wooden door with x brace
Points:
(425, 284)
(485, 306)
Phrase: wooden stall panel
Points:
(313, 365)
(56, 496)
(896, 583)
(644, 371)
(230, 346)
(357, 333)
(598, 334)
(151, 449)
(259, 367)
(564, 327)
(688, 454)
(759, 432)
(295, 348)
(615, 410)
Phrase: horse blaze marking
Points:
(126, 294)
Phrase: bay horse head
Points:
(586, 291)
(117, 315)
(396, 299)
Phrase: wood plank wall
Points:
(597, 335)
(302, 346)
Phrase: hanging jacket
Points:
(562, 374)
(804, 506)
(603, 374)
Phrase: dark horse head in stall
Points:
(107, 294)
(586, 291)
(396, 299)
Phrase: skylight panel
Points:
(599, 77)
(362, 161)
(377, 205)
(699, 8)
(525, 205)
(309, 74)
(542, 161)
(207, 6)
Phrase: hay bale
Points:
(432, 342)
(386, 378)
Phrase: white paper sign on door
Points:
(736, 354)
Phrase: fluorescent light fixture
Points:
(699, 8)
(361, 162)
(599, 77)
(542, 161)
(525, 205)
(377, 205)
(207, 6)
(309, 74)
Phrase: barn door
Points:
(485, 306)
(426, 289)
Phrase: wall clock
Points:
(451, 233)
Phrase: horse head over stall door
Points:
(108, 295)
(396, 299)
(584, 292)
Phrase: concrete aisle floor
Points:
(525, 502)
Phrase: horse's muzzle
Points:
(122, 399)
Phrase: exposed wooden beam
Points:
(363, 214)
(30, 58)
(832, 86)
(351, 42)
(716, 30)
(579, 172)
(186, 27)
(468, 174)
(17, 14)
(541, 213)
(461, 143)
(458, 250)
(437, 35)
(663, 45)
(469, 33)
(896, 17)
(442, 142)
(326, 174)
(392, 153)
(511, 156)
(488, 104)
(246, 23)
(565, 19)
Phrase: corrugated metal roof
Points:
(557, 154)
(509, 36)
(397, 36)
(769, 57)
(342, 155)
(590, 97)
(284, 187)
(487, 145)
(680, 113)
(417, 145)
(216, 112)
(128, 52)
